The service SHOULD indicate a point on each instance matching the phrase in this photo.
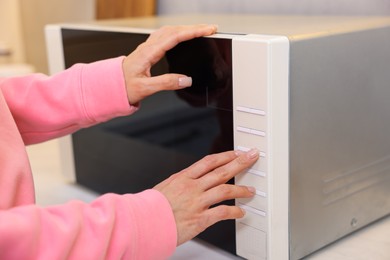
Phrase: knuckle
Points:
(226, 190)
(230, 212)
(223, 212)
(174, 176)
(209, 160)
(166, 28)
(173, 31)
(168, 81)
(222, 173)
(163, 81)
(203, 223)
(241, 160)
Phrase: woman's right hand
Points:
(194, 190)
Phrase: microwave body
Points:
(311, 93)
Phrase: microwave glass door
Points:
(171, 130)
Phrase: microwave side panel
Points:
(339, 136)
(260, 104)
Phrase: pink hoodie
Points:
(36, 108)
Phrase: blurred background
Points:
(22, 44)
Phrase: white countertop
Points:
(371, 242)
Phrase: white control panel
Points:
(260, 104)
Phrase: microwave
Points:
(310, 93)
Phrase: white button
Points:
(257, 132)
(254, 220)
(251, 110)
(256, 202)
(246, 149)
(257, 172)
(244, 129)
(250, 131)
(253, 210)
(251, 242)
(242, 148)
(248, 179)
(261, 193)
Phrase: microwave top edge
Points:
(295, 28)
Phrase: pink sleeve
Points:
(139, 226)
(48, 107)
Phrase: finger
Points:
(167, 82)
(209, 163)
(222, 212)
(226, 192)
(168, 37)
(227, 171)
(144, 87)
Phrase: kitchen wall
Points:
(22, 26)
(37, 13)
(11, 30)
(338, 7)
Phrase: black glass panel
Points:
(171, 131)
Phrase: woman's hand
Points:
(194, 190)
(137, 66)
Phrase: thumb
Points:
(144, 87)
(168, 82)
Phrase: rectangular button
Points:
(261, 164)
(250, 131)
(257, 132)
(251, 209)
(250, 120)
(254, 220)
(251, 242)
(246, 149)
(251, 110)
(250, 140)
(249, 179)
(244, 129)
(257, 172)
(257, 202)
(261, 193)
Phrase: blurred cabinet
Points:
(106, 9)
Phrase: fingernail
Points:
(252, 153)
(251, 189)
(185, 82)
(243, 211)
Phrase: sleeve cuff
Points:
(157, 233)
(104, 90)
